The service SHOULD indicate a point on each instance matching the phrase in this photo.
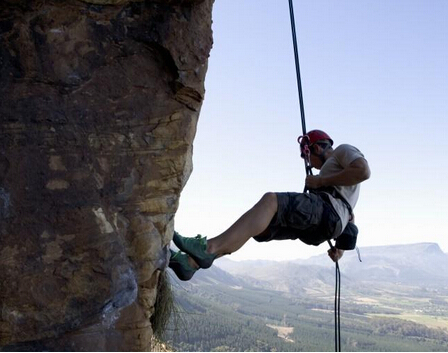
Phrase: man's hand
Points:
(335, 254)
(313, 182)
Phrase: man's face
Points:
(315, 161)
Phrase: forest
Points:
(217, 317)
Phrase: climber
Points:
(315, 217)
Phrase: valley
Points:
(249, 307)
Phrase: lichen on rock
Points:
(99, 102)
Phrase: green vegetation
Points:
(210, 326)
(163, 307)
(219, 317)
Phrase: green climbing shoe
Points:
(179, 264)
(196, 248)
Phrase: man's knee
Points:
(270, 200)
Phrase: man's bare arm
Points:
(355, 173)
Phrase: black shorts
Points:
(306, 216)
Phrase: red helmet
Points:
(311, 138)
(314, 136)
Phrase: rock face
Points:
(98, 111)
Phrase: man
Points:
(315, 217)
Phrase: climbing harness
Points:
(304, 142)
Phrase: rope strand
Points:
(299, 80)
(337, 310)
(296, 58)
(337, 296)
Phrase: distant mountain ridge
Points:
(421, 264)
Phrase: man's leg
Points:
(251, 224)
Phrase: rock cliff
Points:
(99, 102)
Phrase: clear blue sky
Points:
(374, 75)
